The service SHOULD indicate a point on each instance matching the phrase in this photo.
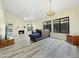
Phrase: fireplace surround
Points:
(21, 32)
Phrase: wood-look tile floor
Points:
(46, 48)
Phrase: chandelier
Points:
(50, 11)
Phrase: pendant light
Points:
(50, 11)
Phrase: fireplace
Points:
(21, 32)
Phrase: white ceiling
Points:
(34, 9)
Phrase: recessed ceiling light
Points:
(25, 18)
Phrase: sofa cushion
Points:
(36, 35)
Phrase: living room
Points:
(24, 17)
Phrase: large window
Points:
(47, 25)
(56, 25)
(61, 25)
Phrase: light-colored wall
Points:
(2, 21)
(37, 24)
(17, 22)
(73, 13)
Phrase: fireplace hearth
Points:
(21, 32)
